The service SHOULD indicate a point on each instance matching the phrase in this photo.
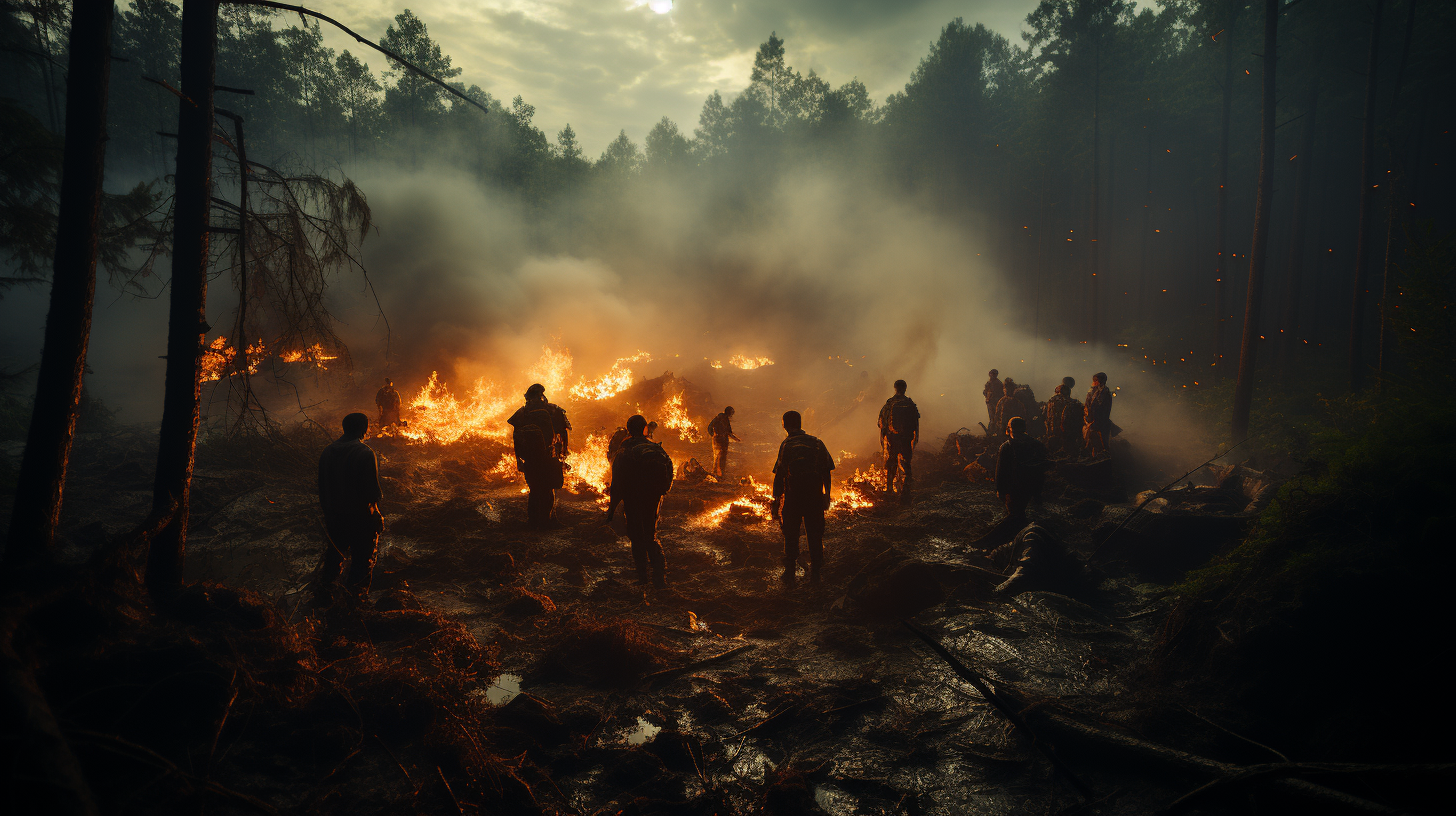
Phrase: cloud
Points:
(609, 65)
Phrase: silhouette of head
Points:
(995, 374)
(728, 410)
(636, 424)
(388, 381)
(1017, 426)
(1068, 382)
(900, 386)
(356, 425)
(792, 421)
(1058, 389)
(1099, 377)
(536, 391)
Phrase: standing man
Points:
(899, 432)
(1052, 423)
(801, 494)
(348, 486)
(388, 401)
(540, 436)
(721, 429)
(641, 475)
(1006, 407)
(1020, 469)
(993, 392)
(1097, 427)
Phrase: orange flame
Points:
(612, 383)
(590, 468)
(674, 416)
(553, 370)
(437, 416)
(749, 363)
(313, 354)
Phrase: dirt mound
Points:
(610, 651)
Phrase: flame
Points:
(505, 468)
(437, 416)
(716, 364)
(674, 416)
(756, 501)
(857, 492)
(313, 354)
(216, 359)
(553, 370)
(749, 363)
(589, 468)
(612, 383)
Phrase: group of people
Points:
(642, 472)
(1069, 426)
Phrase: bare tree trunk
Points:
(1141, 302)
(73, 286)
(1355, 362)
(1093, 303)
(1259, 245)
(1220, 271)
(1392, 205)
(187, 319)
(1294, 276)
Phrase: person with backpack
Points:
(899, 432)
(721, 430)
(539, 433)
(993, 391)
(1021, 466)
(641, 476)
(801, 494)
(1097, 427)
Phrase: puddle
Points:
(642, 732)
(503, 690)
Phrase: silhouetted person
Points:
(1020, 469)
(1064, 420)
(1006, 407)
(899, 432)
(388, 401)
(801, 494)
(641, 475)
(652, 431)
(1097, 426)
(721, 430)
(540, 436)
(993, 392)
(348, 486)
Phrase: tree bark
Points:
(73, 287)
(1356, 354)
(1259, 244)
(1393, 223)
(1093, 303)
(1220, 270)
(187, 318)
(1141, 301)
(1294, 274)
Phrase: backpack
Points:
(803, 464)
(649, 466)
(532, 437)
(903, 417)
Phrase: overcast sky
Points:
(608, 65)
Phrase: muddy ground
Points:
(822, 699)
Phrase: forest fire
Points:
(612, 383)
(589, 468)
(676, 418)
(749, 363)
(219, 359)
(437, 416)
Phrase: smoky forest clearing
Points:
(1110, 341)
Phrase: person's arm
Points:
(828, 477)
(1003, 470)
(778, 485)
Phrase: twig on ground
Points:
(667, 674)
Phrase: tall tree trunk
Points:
(1220, 271)
(1093, 302)
(1393, 224)
(1259, 244)
(187, 318)
(1356, 354)
(73, 286)
(1294, 274)
(1142, 291)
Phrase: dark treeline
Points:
(1104, 163)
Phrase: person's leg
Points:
(906, 452)
(790, 519)
(655, 556)
(892, 464)
(814, 531)
(362, 553)
(331, 562)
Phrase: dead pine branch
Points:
(668, 674)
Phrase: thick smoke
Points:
(845, 286)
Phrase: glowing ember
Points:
(216, 360)
(590, 468)
(505, 468)
(749, 363)
(857, 493)
(674, 416)
(716, 364)
(756, 502)
(437, 416)
(612, 383)
(219, 360)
